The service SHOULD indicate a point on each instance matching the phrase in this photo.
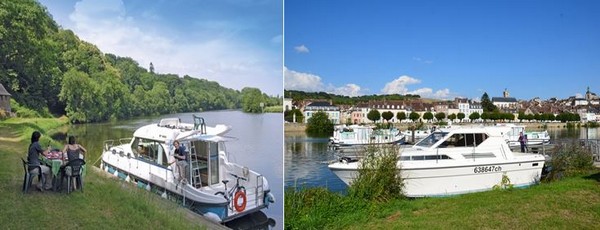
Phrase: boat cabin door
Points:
(204, 163)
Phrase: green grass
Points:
(572, 203)
(273, 109)
(106, 203)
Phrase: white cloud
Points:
(277, 39)
(400, 86)
(579, 95)
(312, 83)
(302, 81)
(232, 63)
(351, 90)
(301, 49)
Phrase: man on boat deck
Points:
(181, 157)
(522, 141)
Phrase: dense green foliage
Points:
(374, 115)
(487, 104)
(289, 115)
(440, 116)
(319, 125)
(387, 115)
(428, 116)
(378, 176)
(460, 116)
(414, 116)
(474, 116)
(401, 116)
(345, 100)
(47, 68)
(569, 159)
(452, 116)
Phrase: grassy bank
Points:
(106, 203)
(572, 203)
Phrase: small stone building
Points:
(4, 99)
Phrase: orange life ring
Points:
(239, 207)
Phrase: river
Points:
(258, 145)
(306, 158)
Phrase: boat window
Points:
(431, 139)
(424, 157)
(149, 150)
(464, 140)
(478, 155)
(480, 138)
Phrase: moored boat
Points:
(354, 135)
(456, 161)
(213, 186)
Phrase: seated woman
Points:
(74, 151)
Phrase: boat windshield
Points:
(431, 139)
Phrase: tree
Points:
(485, 116)
(440, 116)
(414, 116)
(374, 115)
(251, 100)
(428, 116)
(474, 116)
(452, 117)
(388, 115)
(319, 125)
(401, 116)
(487, 105)
(460, 116)
(289, 115)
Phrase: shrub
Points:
(379, 177)
(319, 125)
(569, 159)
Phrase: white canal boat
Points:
(145, 160)
(457, 161)
(364, 135)
(533, 137)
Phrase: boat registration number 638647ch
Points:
(485, 169)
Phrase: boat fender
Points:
(212, 217)
(239, 207)
(269, 198)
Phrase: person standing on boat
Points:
(181, 157)
(33, 158)
(522, 141)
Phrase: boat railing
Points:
(107, 144)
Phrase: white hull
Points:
(445, 180)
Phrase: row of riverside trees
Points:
(375, 115)
(52, 71)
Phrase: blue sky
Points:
(237, 43)
(443, 49)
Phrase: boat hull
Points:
(448, 179)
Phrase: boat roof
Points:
(171, 129)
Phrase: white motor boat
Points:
(456, 161)
(147, 160)
(364, 135)
(533, 137)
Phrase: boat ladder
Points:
(259, 192)
(195, 168)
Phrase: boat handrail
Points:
(199, 123)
